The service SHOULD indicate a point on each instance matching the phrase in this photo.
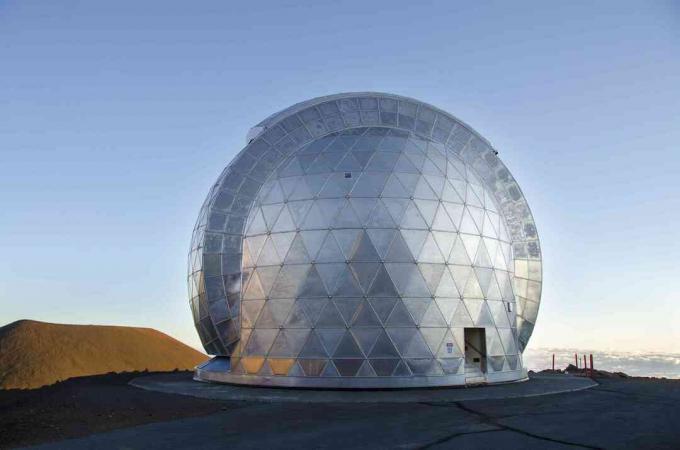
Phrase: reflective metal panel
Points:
(356, 236)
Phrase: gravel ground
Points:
(86, 405)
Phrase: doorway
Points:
(475, 352)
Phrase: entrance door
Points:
(475, 354)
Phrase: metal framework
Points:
(352, 242)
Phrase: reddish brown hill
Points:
(34, 354)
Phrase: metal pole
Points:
(554, 362)
(591, 364)
(576, 360)
(585, 365)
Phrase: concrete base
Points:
(537, 385)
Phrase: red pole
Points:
(553, 362)
(576, 360)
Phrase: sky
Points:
(116, 118)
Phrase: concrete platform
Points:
(535, 386)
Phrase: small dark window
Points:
(509, 309)
(348, 174)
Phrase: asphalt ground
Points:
(617, 413)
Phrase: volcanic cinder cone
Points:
(34, 354)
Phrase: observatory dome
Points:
(364, 241)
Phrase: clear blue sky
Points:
(116, 117)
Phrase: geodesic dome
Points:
(364, 240)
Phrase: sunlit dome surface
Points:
(364, 240)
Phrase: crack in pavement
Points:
(507, 416)
(438, 404)
(455, 435)
(492, 421)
